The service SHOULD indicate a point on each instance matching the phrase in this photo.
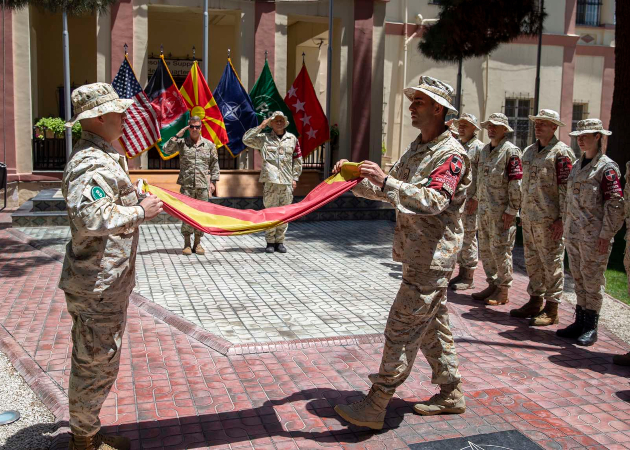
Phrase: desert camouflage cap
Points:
(590, 126)
(549, 115)
(498, 119)
(436, 89)
(96, 99)
(275, 114)
(470, 118)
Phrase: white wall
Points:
(589, 71)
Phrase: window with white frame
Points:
(517, 110)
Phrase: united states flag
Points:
(141, 129)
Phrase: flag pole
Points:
(205, 38)
(66, 83)
(327, 151)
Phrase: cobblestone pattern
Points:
(175, 393)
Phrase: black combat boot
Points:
(589, 332)
(574, 330)
(270, 248)
(280, 248)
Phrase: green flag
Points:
(267, 99)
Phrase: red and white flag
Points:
(310, 120)
(141, 129)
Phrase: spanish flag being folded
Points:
(225, 221)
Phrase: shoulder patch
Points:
(514, 168)
(97, 193)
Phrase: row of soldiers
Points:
(562, 203)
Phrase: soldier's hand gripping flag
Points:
(201, 103)
(141, 128)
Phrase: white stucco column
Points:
(281, 63)
(103, 47)
(22, 90)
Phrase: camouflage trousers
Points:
(199, 194)
(626, 258)
(495, 249)
(98, 325)
(587, 266)
(418, 320)
(277, 195)
(469, 254)
(544, 260)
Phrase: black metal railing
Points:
(315, 159)
(226, 161)
(588, 12)
(49, 153)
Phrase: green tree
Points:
(73, 7)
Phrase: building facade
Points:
(369, 70)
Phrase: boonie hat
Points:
(590, 126)
(436, 89)
(497, 119)
(275, 114)
(96, 99)
(549, 115)
(470, 118)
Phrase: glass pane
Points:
(523, 108)
(510, 107)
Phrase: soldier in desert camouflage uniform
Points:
(594, 212)
(624, 360)
(280, 172)
(198, 161)
(427, 186)
(546, 167)
(499, 198)
(467, 259)
(99, 266)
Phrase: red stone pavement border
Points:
(176, 392)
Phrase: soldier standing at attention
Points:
(99, 267)
(546, 167)
(427, 186)
(198, 161)
(281, 169)
(499, 199)
(468, 125)
(594, 213)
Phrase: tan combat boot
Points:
(487, 292)
(450, 400)
(187, 250)
(457, 278)
(369, 412)
(99, 442)
(197, 248)
(548, 316)
(622, 360)
(530, 309)
(499, 297)
(466, 281)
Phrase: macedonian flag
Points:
(200, 102)
(225, 221)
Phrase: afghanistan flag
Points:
(224, 221)
(236, 107)
(168, 104)
(267, 99)
(200, 103)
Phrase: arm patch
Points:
(446, 177)
(297, 152)
(563, 169)
(610, 185)
(514, 168)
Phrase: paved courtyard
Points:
(297, 334)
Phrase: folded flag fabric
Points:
(224, 221)
(141, 129)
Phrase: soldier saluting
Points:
(99, 267)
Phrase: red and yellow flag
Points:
(200, 102)
(225, 221)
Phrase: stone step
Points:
(48, 208)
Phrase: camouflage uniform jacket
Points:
(281, 155)
(499, 181)
(427, 186)
(626, 202)
(545, 174)
(104, 217)
(473, 149)
(594, 206)
(195, 161)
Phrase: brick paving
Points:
(174, 392)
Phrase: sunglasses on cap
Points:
(195, 127)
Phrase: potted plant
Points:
(55, 127)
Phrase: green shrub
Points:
(58, 127)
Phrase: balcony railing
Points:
(49, 153)
(588, 12)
